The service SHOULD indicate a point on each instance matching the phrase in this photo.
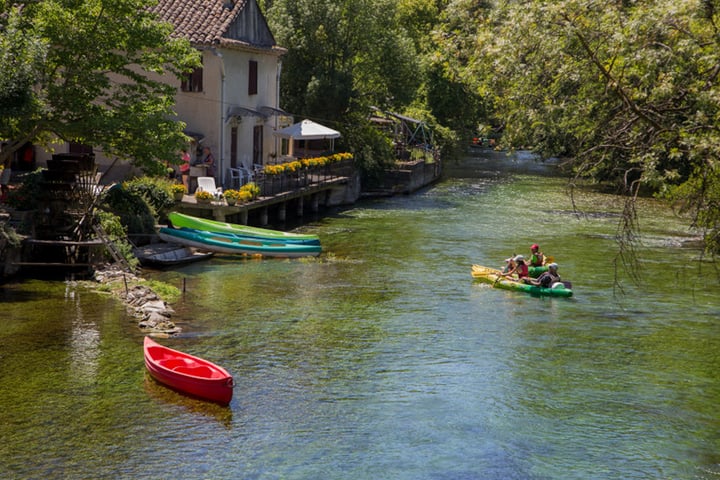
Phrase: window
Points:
(193, 81)
(257, 144)
(253, 78)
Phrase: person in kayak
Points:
(537, 259)
(509, 264)
(520, 269)
(546, 279)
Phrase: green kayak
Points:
(229, 243)
(180, 220)
(495, 278)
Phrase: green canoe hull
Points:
(495, 278)
(227, 243)
(180, 220)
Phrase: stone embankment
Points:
(154, 314)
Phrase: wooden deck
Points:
(315, 194)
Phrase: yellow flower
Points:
(202, 194)
(231, 194)
(177, 188)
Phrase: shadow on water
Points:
(173, 399)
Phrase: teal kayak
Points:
(495, 278)
(180, 220)
(236, 244)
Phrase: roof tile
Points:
(202, 22)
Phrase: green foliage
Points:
(26, 194)
(20, 56)
(343, 56)
(374, 152)
(113, 227)
(90, 72)
(157, 192)
(627, 90)
(169, 293)
(9, 236)
(135, 213)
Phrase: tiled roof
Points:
(202, 22)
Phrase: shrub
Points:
(112, 225)
(135, 212)
(155, 190)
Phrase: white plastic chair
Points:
(207, 184)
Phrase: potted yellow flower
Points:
(252, 189)
(201, 196)
(178, 190)
(231, 196)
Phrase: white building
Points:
(231, 104)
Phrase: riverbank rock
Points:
(154, 313)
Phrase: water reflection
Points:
(167, 397)
(84, 339)
(383, 359)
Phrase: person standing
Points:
(185, 169)
(209, 161)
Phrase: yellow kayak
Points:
(494, 277)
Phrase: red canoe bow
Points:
(188, 374)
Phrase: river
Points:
(383, 359)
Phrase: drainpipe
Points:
(277, 105)
(221, 166)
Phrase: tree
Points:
(89, 71)
(341, 54)
(344, 57)
(627, 90)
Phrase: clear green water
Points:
(383, 359)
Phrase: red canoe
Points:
(188, 374)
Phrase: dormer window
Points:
(193, 81)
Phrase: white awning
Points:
(307, 130)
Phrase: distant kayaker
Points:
(520, 269)
(509, 264)
(537, 259)
(546, 279)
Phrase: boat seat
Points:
(173, 363)
(197, 371)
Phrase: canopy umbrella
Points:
(307, 130)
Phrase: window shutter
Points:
(252, 78)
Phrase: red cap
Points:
(534, 246)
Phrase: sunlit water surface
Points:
(382, 359)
